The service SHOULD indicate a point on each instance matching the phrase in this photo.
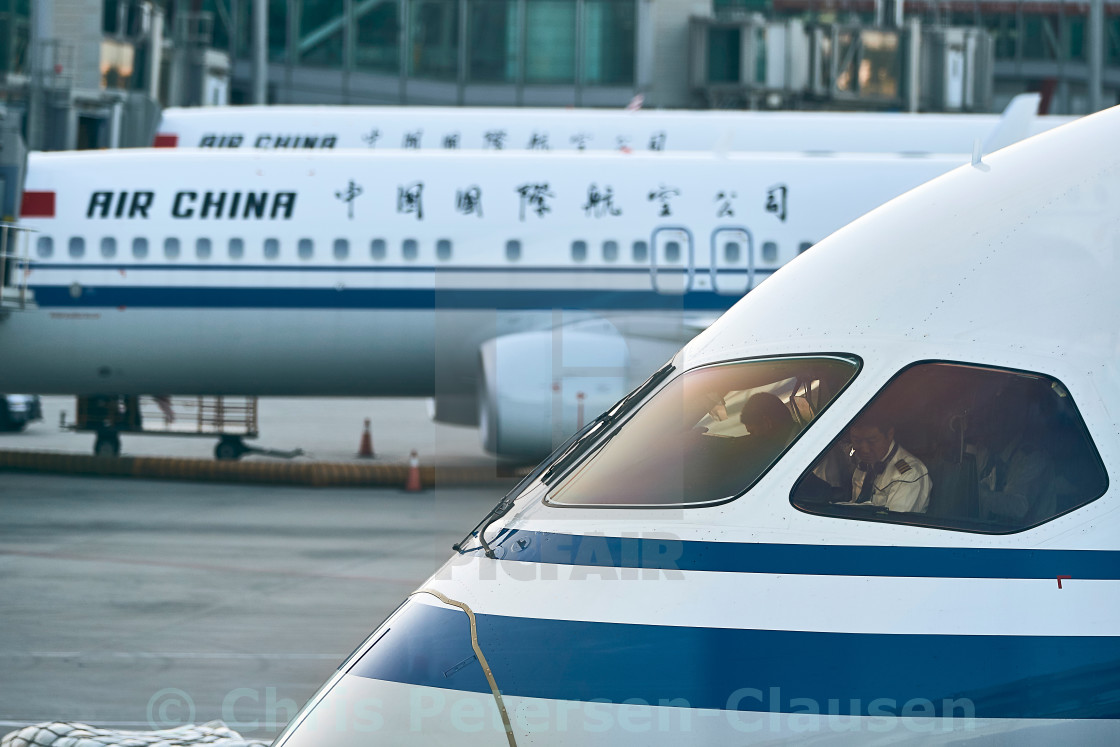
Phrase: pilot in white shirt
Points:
(898, 479)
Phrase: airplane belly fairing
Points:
(220, 351)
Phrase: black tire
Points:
(229, 450)
(107, 445)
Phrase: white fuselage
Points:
(648, 612)
(355, 273)
(521, 129)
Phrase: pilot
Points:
(886, 474)
(768, 422)
(1016, 475)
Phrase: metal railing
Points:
(15, 267)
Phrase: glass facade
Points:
(492, 41)
(15, 32)
(321, 26)
(580, 42)
(377, 31)
(609, 30)
(434, 38)
(550, 41)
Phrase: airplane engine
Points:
(537, 388)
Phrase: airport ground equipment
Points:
(15, 268)
(18, 410)
(230, 419)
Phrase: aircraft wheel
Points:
(107, 445)
(229, 450)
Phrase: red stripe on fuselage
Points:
(37, 204)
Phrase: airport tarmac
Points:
(326, 429)
(144, 605)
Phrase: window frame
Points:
(884, 516)
(340, 249)
(235, 249)
(270, 248)
(607, 435)
(305, 249)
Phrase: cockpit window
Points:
(959, 447)
(708, 435)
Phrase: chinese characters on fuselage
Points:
(348, 196)
(776, 201)
(410, 200)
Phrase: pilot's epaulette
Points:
(902, 466)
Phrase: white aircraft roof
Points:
(1020, 272)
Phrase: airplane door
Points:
(671, 260)
(732, 261)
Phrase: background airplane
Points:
(524, 292)
(496, 128)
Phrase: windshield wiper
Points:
(563, 457)
(604, 421)
(511, 497)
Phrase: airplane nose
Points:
(417, 680)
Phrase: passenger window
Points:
(77, 246)
(579, 251)
(341, 249)
(44, 246)
(203, 248)
(731, 252)
(610, 251)
(305, 249)
(769, 252)
(271, 248)
(640, 251)
(443, 249)
(513, 250)
(236, 248)
(140, 247)
(377, 249)
(672, 251)
(410, 249)
(171, 247)
(708, 435)
(108, 247)
(804, 247)
(962, 447)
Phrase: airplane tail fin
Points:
(1015, 123)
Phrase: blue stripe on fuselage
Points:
(755, 670)
(366, 298)
(668, 553)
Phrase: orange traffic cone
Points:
(365, 449)
(412, 484)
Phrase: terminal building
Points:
(93, 73)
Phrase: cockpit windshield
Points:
(708, 435)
